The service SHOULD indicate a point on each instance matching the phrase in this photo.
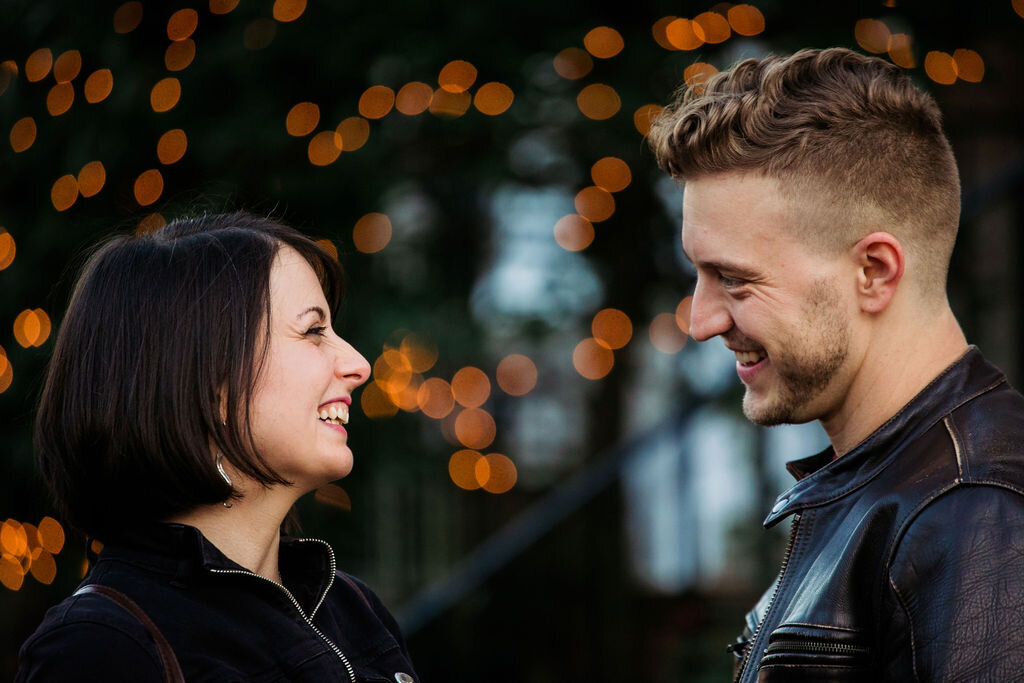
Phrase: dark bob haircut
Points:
(163, 341)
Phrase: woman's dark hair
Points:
(163, 340)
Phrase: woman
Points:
(196, 391)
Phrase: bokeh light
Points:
(450, 105)
(32, 327)
(414, 98)
(180, 54)
(38, 64)
(23, 134)
(612, 328)
(165, 94)
(516, 374)
(493, 98)
(148, 187)
(171, 146)
(969, 65)
(435, 398)
(127, 17)
(302, 119)
(376, 102)
(64, 192)
(872, 35)
(182, 24)
(6, 371)
(324, 148)
(7, 249)
(8, 72)
(471, 387)
(598, 101)
(44, 568)
(711, 27)
(98, 86)
(595, 204)
(375, 402)
(495, 473)
(420, 351)
(683, 314)
(572, 63)
(222, 6)
(475, 428)
(1018, 7)
(746, 20)
(91, 178)
(900, 51)
(666, 335)
(574, 232)
(658, 30)
(329, 247)
(288, 10)
(68, 66)
(457, 76)
(354, 132)
(60, 98)
(681, 34)
(603, 42)
(335, 496)
(697, 73)
(462, 469)
(371, 233)
(940, 67)
(51, 535)
(12, 576)
(592, 359)
(611, 174)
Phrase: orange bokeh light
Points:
(462, 469)
(182, 24)
(302, 119)
(8, 249)
(150, 224)
(51, 535)
(8, 71)
(595, 204)
(516, 375)
(420, 351)
(165, 94)
(64, 192)
(414, 98)
(493, 98)
(375, 402)
(643, 117)
(6, 371)
(495, 473)
(324, 148)
(872, 35)
(329, 247)
(222, 6)
(98, 86)
(658, 30)
(457, 76)
(148, 187)
(471, 387)
(333, 495)
(603, 42)
(354, 132)
(13, 538)
(940, 67)
(612, 328)
(23, 134)
(683, 314)
(598, 101)
(435, 398)
(969, 65)
(32, 327)
(611, 174)
(44, 569)
(746, 20)
(12, 575)
(475, 428)
(68, 66)
(666, 335)
(711, 27)
(180, 54)
(60, 98)
(592, 359)
(172, 146)
(900, 51)
(573, 63)
(574, 232)
(288, 10)
(376, 102)
(91, 178)
(697, 73)
(372, 233)
(38, 64)
(450, 105)
(681, 34)
(127, 17)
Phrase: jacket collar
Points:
(820, 479)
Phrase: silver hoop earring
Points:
(223, 475)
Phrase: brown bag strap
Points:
(172, 671)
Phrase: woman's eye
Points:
(319, 330)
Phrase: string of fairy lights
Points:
(400, 379)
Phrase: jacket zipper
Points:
(771, 602)
(789, 646)
(308, 619)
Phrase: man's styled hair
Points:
(156, 359)
(856, 146)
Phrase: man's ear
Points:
(880, 262)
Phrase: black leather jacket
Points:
(223, 622)
(906, 557)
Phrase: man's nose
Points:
(709, 315)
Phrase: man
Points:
(820, 208)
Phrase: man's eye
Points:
(730, 282)
(318, 330)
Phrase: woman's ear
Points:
(880, 263)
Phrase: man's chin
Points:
(768, 413)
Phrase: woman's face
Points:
(309, 373)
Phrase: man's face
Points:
(779, 305)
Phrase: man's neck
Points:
(892, 374)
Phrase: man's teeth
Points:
(336, 414)
(749, 357)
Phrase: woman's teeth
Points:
(335, 414)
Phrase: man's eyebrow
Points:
(732, 268)
(320, 313)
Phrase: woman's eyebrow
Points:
(320, 313)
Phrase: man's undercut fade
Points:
(855, 145)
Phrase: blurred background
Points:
(551, 483)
